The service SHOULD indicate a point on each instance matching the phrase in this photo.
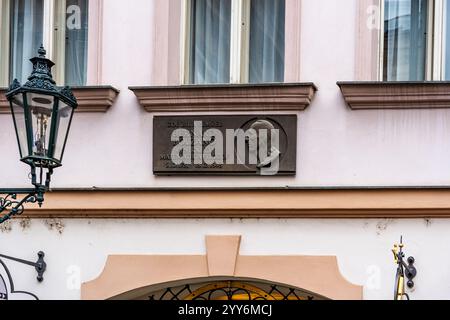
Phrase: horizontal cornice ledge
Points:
(90, 98)
(224, 98)
(363, 203)
(396, 95)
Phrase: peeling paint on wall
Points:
(55, 224)
(383, 225)
(25, 224)
(6, 227)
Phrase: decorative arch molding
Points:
(127, 273)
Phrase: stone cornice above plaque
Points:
(396, 95)
(224, 98)
(90, 98)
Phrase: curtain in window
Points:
(405, 40)
(76, 42)
(267, 26)
(446, 40)
(26, 36)
(210, 41)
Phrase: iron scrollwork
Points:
(10, 203)
(15, 207)
(233, 290)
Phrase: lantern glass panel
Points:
(41, 109)
(18, 111)
(65, 113)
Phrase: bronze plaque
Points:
(251, 145)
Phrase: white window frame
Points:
(240, 41)
(53, 38)
(438, 65)
(4, 42)
(435, 64)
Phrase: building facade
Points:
(357, 88)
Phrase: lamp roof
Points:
(41, 81)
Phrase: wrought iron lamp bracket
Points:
(410, 272)
(40, 266)
(15, 207)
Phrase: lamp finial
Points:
(42, 52)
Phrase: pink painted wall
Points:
(336, 146)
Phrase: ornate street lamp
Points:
(42, 115)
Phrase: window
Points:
(61, 25)
(75, 50)
(267, 41)
(26, 35)
(234, 41)
(416, 40)
(405, 39)
(210, 41)
(446, 40)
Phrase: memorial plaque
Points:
(250, 145)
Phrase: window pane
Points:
(76, 42)
(63, 122)
(19, 122)
(446, 40)
(267, 41)
(210, 41)
(405, 40)
(26, 36)
(41, 107)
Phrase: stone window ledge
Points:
(234, 98)
(396, 95)
(90, 98)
